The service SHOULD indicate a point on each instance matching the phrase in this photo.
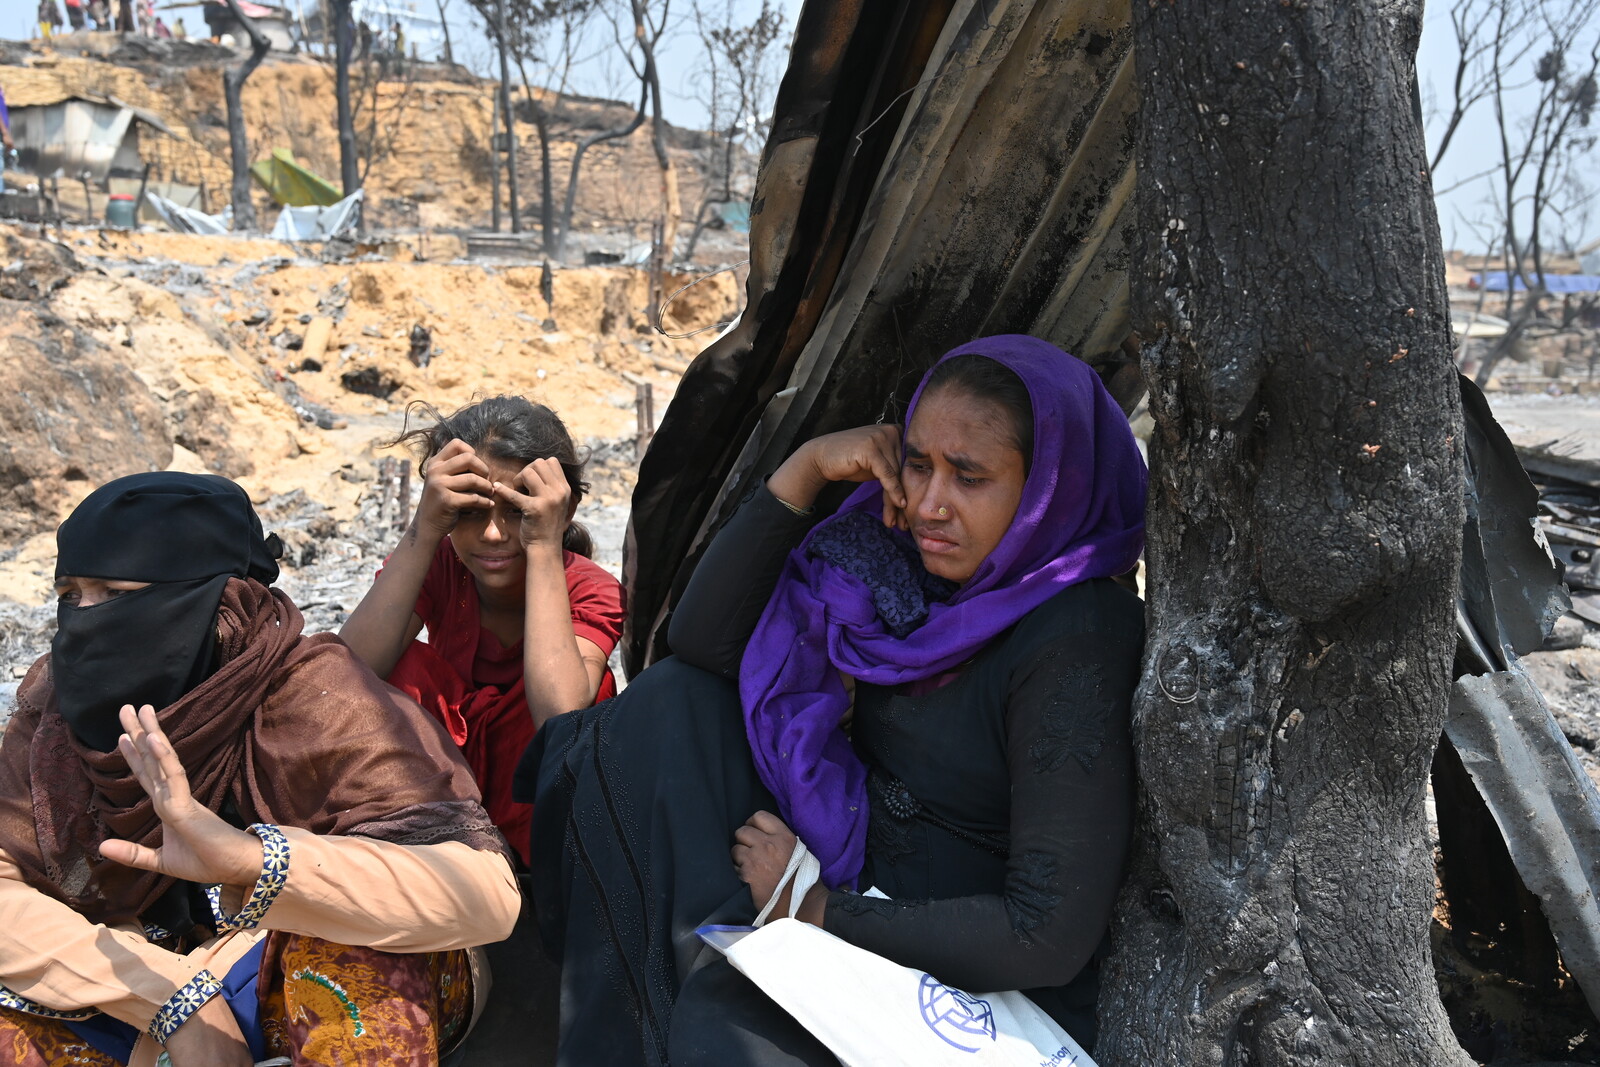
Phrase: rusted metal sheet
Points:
(911, 199)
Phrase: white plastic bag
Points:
(871, 1012)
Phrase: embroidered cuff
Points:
(189, 998)
(17, 1002)
(274, 876)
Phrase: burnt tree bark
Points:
(233, 79)
(1304, 544)
(503, 44)
(343, 47)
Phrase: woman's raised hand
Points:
(541, 493)
(864, 454)
(454, 481)
(196, 844)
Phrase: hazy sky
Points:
(1473, 150)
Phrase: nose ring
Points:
(944, 513)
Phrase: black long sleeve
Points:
(1070, 760)
(733, 582)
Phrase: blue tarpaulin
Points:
(1495, 282)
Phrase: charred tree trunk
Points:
(547, 188)
(509, 116)
(233, 79)
(343, 46)
(671, 203)
(1304, 545)
(547, 200)
(444, 24)
(575, 168)
(494, 168)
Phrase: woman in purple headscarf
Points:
(933, 690)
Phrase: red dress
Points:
(473, 684)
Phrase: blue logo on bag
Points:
(960, 1019)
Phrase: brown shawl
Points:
(293, 730)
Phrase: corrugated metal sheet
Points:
(910, 199)
(80, 134)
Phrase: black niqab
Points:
(187, 534)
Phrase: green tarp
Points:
(291, 184)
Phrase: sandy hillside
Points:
(212, 335)
(423, 135)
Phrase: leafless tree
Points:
(552, 43)
(1541, 149)
(233, 79)
(736, 85)
(377, 122)
(544, 37)
(640, 27)
(1491, 35)
(344, 45)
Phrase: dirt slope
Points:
(123, 362)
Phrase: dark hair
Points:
(985, 379)
(510, 428)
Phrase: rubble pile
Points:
(1567, 671)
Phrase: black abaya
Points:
(1001, 811)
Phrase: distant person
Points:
(520, 620)
(75, 14)
(217, 20)
(364, 35)
(399, 36)
(49, 18)
(179, 30)
(147, 18)
(100, 14)
(8, 150)
(162, 30)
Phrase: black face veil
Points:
(187, 534)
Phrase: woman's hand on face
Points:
(210, 1038)
(544, 499)
(864, 454)
(454, 481)
(196, 844)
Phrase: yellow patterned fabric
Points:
(359, 1007)
(324, 1004)
(34, 1041)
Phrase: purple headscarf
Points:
(1081, 516)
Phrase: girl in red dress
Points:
(520, 620)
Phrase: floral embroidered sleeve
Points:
(1071, 767)
(189, 998)
(274, 875)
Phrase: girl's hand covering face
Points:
(455, 480)
(541, 493)
(196, 844)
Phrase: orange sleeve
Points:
(53, 958)
(399, 898)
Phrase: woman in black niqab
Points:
(186, 535)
